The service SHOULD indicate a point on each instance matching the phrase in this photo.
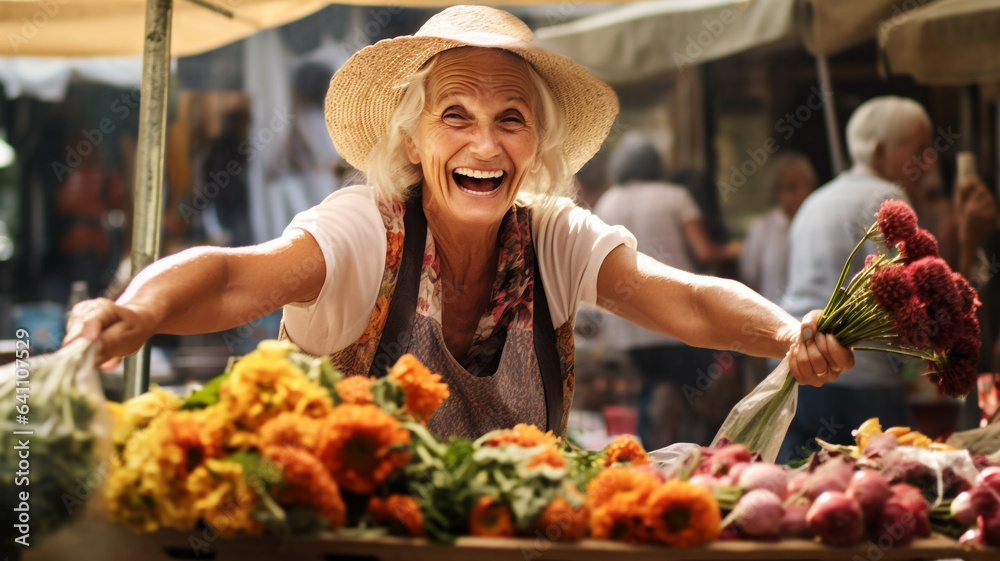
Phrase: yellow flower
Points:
(424, 391)
(682, 515)
(356, 390)
(625, 449)
(136, 413)
(362, 446)
(223, 498)
(263, 385)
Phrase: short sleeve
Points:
(571, 244)
(348, 227)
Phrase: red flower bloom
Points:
(970, 298)
(896, 221)
(869, 260)
(936, 289)
(921, 244)
(911, 323)
(891, 287)
(956, 373)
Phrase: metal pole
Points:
(830, 115)
(149, 166)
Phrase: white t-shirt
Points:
(656, 213)
(570, 242)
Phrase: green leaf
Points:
(257, 469)
(208, 394)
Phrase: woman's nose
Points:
(485, 144)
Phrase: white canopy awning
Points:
(831, 26)
(116, 27)
(636, 41)
(947, 43)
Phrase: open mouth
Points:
(477, 182)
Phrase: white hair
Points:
(886, 120)
(389, 172)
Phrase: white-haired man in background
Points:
(888, 139)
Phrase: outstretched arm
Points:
(202, 290)
(716, 313)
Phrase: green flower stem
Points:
(847, 267)
(896, 350)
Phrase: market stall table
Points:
(95, 539)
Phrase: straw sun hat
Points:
(365, 92)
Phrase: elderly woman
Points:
(461, 248)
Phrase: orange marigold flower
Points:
(362, 446)
(617, 480)
(400, 513)
(625, 449)
(561, 522)
(621, 518)
(183, 442)
(682, 515)
(492, 519)
(526, 436)
(356, 390)
(290, 430)
(549, 456)
(425, 392)
(309, 484)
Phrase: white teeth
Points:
(479, 174)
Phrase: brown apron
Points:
(526, 384)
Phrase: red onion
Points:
(765, 476)
(837, 519)
(759, 513)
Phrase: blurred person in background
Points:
(888, 139)
(667, 224)
(764, 261)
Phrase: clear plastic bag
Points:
(761, 419)
(55, 431)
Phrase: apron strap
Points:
(546, 352)
(395, 338)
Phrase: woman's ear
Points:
(411, 151)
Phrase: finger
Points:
(807, 372)
(119, 340)
(110, 364)
(816, 360)
(809, 325)
(793, 365)
(840, 357)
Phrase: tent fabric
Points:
(637, 41)
(947, 43)
(59, 28)
(831, 26)
(117, 27)
(48, 78)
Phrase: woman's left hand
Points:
(816, 358)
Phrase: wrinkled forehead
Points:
(482, 72)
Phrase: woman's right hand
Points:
(120, 330)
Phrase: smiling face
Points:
(477, 137)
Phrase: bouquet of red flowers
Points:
(906, 301)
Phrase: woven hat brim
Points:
(365, 92)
